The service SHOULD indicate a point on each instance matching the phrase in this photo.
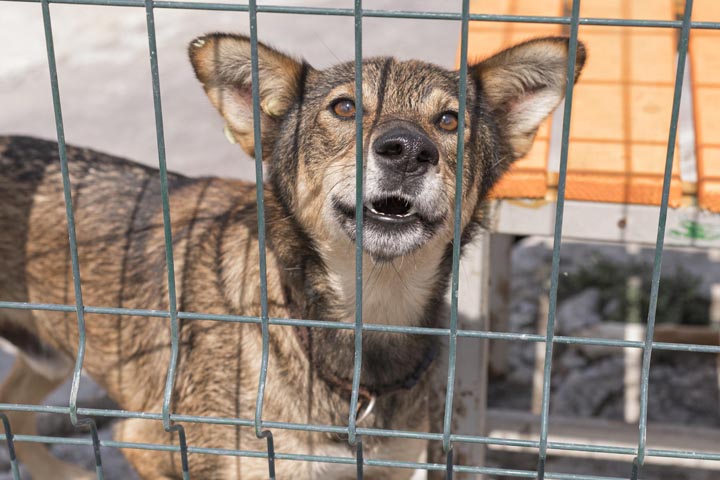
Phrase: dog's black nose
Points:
(406, 149)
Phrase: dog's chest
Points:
(393, 293)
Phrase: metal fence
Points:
(263, 429)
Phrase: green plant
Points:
(680, 299)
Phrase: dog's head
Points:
(410, 121)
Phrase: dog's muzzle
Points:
(403, 204)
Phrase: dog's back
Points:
(35, 267)
(113, 206)
(121, 250)
(32, 206)
(120, 242)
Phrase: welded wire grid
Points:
(263, 429)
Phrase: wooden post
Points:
(539, 368)
(470, 402)
(473, 354)
(500, 273)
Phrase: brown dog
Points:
(308, 139)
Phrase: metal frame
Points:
(263, 429)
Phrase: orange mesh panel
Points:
(621, 107)
(621, 110)
(527, 177)
(705, 63)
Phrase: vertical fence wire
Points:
(167, 229)
(72, 241)
(452, 341)
(557, 238)
(10, 446)
(359, 459)
(662, 218)
(359, 191)
(260, 198)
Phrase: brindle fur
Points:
(310, 155)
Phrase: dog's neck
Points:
(397, 292)
(407, 292)
(319, 281)
(393, 293)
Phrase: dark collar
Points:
(367, 393)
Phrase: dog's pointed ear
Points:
(222, 63)
(524, 84)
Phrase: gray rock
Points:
(572, 359)
(596, 390)
(114, 463)
(578, 312)
(611, 308)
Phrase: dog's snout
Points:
(405, 149)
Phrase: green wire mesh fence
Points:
(263, 429)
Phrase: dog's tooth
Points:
(229, 135)
(198, 43)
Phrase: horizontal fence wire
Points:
(453, 332)
(374, 327)
(375, 13)
(370, 432)
(306, 458)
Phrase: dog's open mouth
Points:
(388, 211)
(392, 225)
(391, 209)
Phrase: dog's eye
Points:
(448, 121)
(343, 108)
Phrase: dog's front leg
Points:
(27, 386)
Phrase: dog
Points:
(307, 131)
